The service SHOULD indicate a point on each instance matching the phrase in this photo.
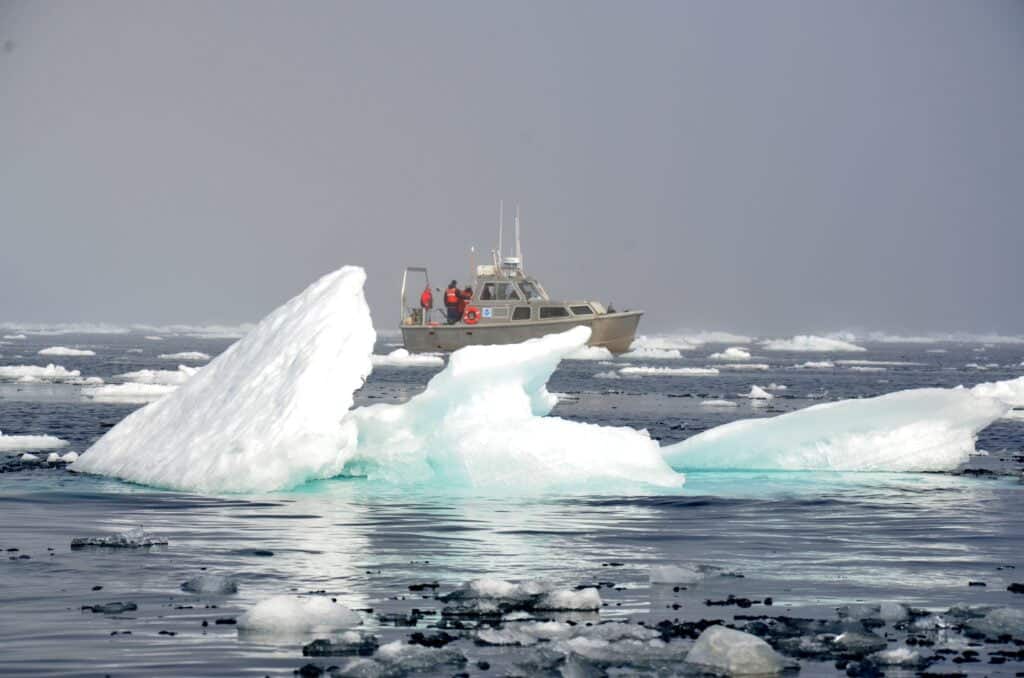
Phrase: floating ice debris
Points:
(128, 393)
(861, 368)
(878, 363)
(776, 387)
(744, 366)
(810, 344)
(494, 596)
(291, 614)
(400, 659)
(662, 343)
(133, 538)
(815, 365)
(859, 643)
(65, 351)
(916, 430)
(41, 442)
(670, 371)
(54, 458)
(653, 354)
(14, 336)
(758, 393)
(437, 435)
(675, 574)
(590, 353)
(211, 584)
(342, 644)
(264, 415)
(716, 402)
(731, 353)
(153, 337)
(29, 457)
(164, 377)
(111, 608)
(1001, 621)
(524, 633)
(50, 372)
(897, 656)
(734, 652)
(402, 358)
(194, 356)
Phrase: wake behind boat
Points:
(504, 305)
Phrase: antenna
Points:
(501, 223)
(519, 249)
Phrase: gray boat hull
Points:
(614, 331)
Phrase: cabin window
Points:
(521, 313)
(581, 310)
(553, 312)
(507, 291)
(487, 292)
(530, 290)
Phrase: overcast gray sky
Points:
(766, 167)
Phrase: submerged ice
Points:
(274, 411)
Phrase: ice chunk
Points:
(163, 377)
(402, 358)
(1001, 621)
(29, 457)
(662, 343)
(194, 356)
(41, 442)
(928, 429)
(69, 457)
(524, 634)
(210, 584)
(481, 422)
(893, 612)
(879, 363)
(815, 365)
(653, 354)
(675, 574)
(776, 387)
(264, 415)
(153, 337)
(1010, 392)
(731, 353)
(718, 403)
(758, 393)
(495, 596)
(65, 351)
(14, 336)
(291, 614)
(859, 368)
(734, 652)
(128, 393)
(50, 372)
(810, 344)
(744, 366)
(670, 371)
(897, 656)
(134, 538)
(590, 353)
(399, 659)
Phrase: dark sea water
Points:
(812, 542)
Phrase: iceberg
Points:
(1010, 392)
(267, 414)
(731, 353)
(928, 429)
(482, 422)
(808, 343)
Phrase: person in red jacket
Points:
(426, 303)
(451, 302)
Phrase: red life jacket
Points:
(427, 299)
(451, 296)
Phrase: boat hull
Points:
(614, 331)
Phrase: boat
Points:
(508, 306)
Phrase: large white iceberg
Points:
(928, 429)
(482, 422)
(266, 414)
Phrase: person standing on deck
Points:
(426, 303)
(465, 296)
(451, 302)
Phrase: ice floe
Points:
(670, 371)
(734, 653)
(815, 365)
(758, 393)
(731, 353)
(164, 377)
(14, 336)
(483, 597)
(266, 414)
(645, 353)
(930, 429)
(863, 368)
(878, 363)
(48, 373)
(128, 393)
(65, 351)
(32, 442)
(808, 343)
(1010, 392)
(590, 353)
(292, 614)
(661, 342)
(65, 458)
(402, 358)
(776, 387)
(675, 574)
(717, 402)
(760, 367)
(193, 356)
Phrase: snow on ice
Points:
(810, 344)
(50, 372)
(36, 442)
(164, 377)
(291, 614)
(65, 351)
